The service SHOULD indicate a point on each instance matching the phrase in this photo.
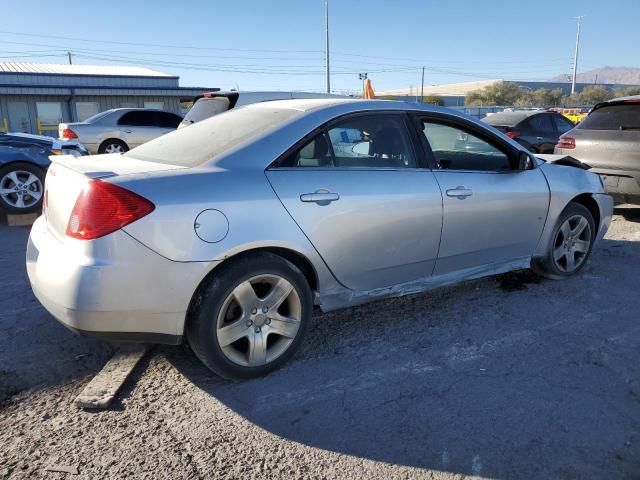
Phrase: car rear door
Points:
(493, 214)
(358, 192)
(139, 126)
(539, 132)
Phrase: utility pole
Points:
(69, 55)
(326, 44)
(422, 88)
(575, 57)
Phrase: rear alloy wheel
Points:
(113, 146)
(21, 188)
(251, 316)
(571, 244)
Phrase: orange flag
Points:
(368, 90)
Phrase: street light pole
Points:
(363, 77)
(326, 44)
(575, 57)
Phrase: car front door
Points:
(493, 213)
(358, 193)
(138, 127)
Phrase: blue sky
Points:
(278, 44)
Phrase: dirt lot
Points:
(510, 377)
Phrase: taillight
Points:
(103, 208)
(68, 133)
(512, 134)
(566, 143)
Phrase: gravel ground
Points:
(509, 377)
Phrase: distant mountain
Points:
(620, 75)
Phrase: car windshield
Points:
(624, 116)
(205, 140)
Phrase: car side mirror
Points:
(525, 162)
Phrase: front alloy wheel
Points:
(21, 189)
(572, 244)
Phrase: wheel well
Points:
(587, 201)
(294, 257)
(114, 140)
(299, 260)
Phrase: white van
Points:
(212, 103)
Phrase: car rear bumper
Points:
(113, 288)
(624, 185)
(605, 205)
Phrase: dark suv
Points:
(608, 140)
(536, 130)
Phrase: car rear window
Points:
(202, 141)
(206, 108)
(613, 117)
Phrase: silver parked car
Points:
(119, 129)
(608, 140)
(229, 231)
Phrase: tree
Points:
(547, 97)
(433, 100)
(499, 93)
(595, 94)
(626, 92)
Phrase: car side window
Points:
(456, 149)
(167, 120)
(367, 141)
(541, 123)
(371, 141)
(138, 118)
(562, 124)
(315, 153)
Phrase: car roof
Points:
(511, 118)
(618, 101)
(356, 104)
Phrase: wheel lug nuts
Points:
(267, 321)
(265, 309)
(249, 323)
(257, 329)
(254, 310)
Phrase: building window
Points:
(128, 105)
(49, 116)
(154, 105)
(85, 110)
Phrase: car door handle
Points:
(321, 198)
(128, 131)
(459, 192)
(539, 138)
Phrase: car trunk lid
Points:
(68, 175)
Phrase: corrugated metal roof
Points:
(96, 70)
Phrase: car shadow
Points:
(509, 376)
(35, 350)
(630, 213)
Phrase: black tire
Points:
(113, 145)
(202, 323)
(31, 195)
(548, 266)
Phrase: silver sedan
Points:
(228, 232)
